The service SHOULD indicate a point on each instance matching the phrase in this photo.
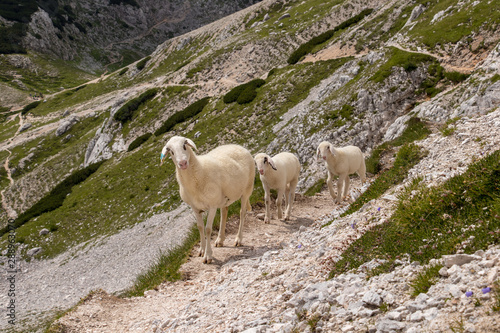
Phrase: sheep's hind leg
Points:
(201, 228)
(279, 203)
(347, 185)
(291, 198)
(222, 230)
(207, 259)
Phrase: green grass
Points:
(409, 61)
(431, 222)
(315, 188)
(424, 280)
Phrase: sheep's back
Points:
(287, 163)
(354, 156)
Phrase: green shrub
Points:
(11, 39)
(123, 71)
(181, 116)
(139, 141)
(425, 280)
(247, 95)
(325, 36)
(456, 77)
(248, 89)
(132, 3)
(30, 107)
(55, 198)
(126, 112)
(141, 64)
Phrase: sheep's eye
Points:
(184, 146)
(265, 159)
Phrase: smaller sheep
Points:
(281, 173)
(341, 162)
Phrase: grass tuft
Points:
(425, 280)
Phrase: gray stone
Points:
(417, 316)
(44, 231)
(25, 127)
(443, 272)
(386, 325)
(284, 16)
(34, 251)
(459, 259)
(394, 315)
(66, 125)
(372, 298)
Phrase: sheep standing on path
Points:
(280, 172)
(211, 181)
(342, 162)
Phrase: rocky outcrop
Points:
(66, 124)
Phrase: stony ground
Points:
(276, 282)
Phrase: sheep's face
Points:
(179, 149)
(324, 149)
(263, 162)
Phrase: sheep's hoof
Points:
(237, 242)
(201, 253)
(267, 220)
(207, 260)
(219, 243)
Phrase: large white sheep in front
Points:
(341, 162)
(211, 181)
(281, 173)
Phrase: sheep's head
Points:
(325, 149)
(263, 161)
(179, 149)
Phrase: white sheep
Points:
(342, 162)
(211, 181)
(281, 173)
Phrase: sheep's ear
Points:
(271, 163)
(332, 149)
(191, 144)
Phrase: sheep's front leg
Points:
(207, 259)
(222, 230)
(329, 181)
(340, 183)
(201, 228)
(279, 202)
(267, 200)
(346, 186)
(243, 212)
